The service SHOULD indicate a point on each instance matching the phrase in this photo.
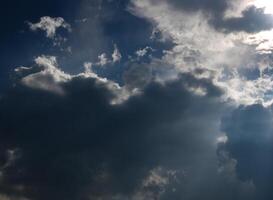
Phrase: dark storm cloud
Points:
(250, 133)
(78, 146)
(65, 140)
(253, 19)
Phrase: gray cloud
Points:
(253, 19)
(63, 138)
(79, 146)
(249, 130)
(211, 6)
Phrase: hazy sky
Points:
(136, 100)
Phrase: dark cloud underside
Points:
(77, 145)
(175, 133)
(252, 20)
(250, 142)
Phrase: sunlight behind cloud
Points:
(267, 4)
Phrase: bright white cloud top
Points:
(50, 25)
(223, 55)
(267, 4)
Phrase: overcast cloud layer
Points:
(138, 100)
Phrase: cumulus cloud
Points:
(46, 75)
(180, 126)
(225, 56)
(46, 79)
(79, 145)
(50, 25)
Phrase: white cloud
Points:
(222, 55)
(46, 75)
(50, 25)
(88, 67)
(104, 60)
(49, 77)
(222, 139)
(143, 52)
(116, 56)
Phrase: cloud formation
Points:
(252, 19)
(50, 25)
(206, 42)
(80, 146)
(249, 129)
(174, 103)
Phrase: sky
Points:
(136, 100)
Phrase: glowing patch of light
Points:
(267, 4)
(222, 139)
